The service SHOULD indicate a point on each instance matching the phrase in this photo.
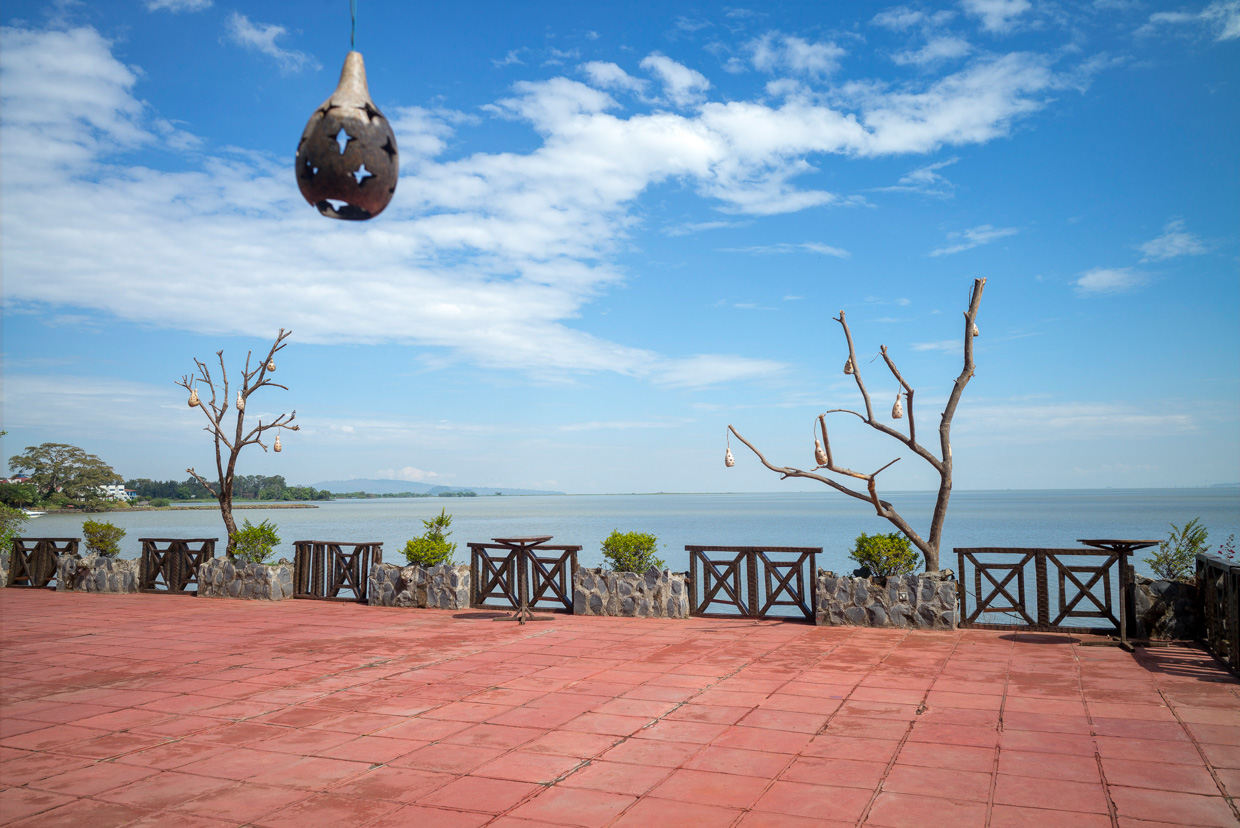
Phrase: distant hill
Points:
(398, 486)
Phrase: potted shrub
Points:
(631, 552)
(882, 555)
(432, 548)
(1167, 606)
(255, 544)
(102, 538)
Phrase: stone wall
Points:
(224, 578)
(445, 586)
(652, 594)
(96, 573)
(1166, 610)
(923, 601)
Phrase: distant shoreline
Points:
(204, 508)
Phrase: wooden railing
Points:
(546, 570)
(321, 569)
(748, 581)
(32, 561)
(170, 565)
(1218, 584)
(999, 577)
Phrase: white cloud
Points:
(1175, 241)
(996, 15)
(902, 18)
(947, 345)
(775, 52)
(409, 473)
(974, 237)
(701, 226)
(489, 256)
(805, 247)
(682, 86)
(936, 50)
(178, 5)
(261, 38)
(513, 58)
(1221, 17)
(1102, 280)
(1019, 421)
(611, 76)
(925, 180)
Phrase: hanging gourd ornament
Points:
(897, 410)
(728, 459)
(820, 456)
(277, 443)
(848, 366)
(976, 332)
(348, 151)
(240, 402)
(193, 397)
(271, 365)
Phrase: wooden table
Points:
(1123, 548)
(523, 549)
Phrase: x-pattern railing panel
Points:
(728, 576)
(171, 564)
(322, 569)
(781, 584)
(549, 576)
(553, 574)
(1085, 589)
(32, 561)
(493, 576)
(1100, 575)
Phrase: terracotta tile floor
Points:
(173, 711)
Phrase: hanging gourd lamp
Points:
(277, 444)
(348, 151)
(848, 366)
(897, 410)
(728, 459)
(193, 397)
(240, 402)
(820, 456)
(976, 332)
(271, 365)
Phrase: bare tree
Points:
(214, 409)
(942, 463)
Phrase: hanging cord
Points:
(353, 29)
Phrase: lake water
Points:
(826, 519)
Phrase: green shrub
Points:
(102, 538)
(1176, 558)
(889, 554)
(631, 551)
(160, 502)
(432, 548)
(255, 544)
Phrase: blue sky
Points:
(619, 229)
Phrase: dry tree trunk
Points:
(228, 450)
(929, 545)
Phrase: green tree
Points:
(11, 523)
(433, 547)
(68, 469)
(17, 494)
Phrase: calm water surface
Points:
(826, 519)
